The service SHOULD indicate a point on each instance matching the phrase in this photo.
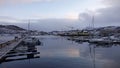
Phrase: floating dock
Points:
(95, 41)
(7, 47)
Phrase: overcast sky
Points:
(60, 13)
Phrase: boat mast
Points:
(93, 26)
(28, 27)
(93, 20)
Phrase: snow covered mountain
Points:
(10, 29)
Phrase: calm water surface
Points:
(57, 52)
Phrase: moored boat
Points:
(31, 41)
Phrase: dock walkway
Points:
(8, 48)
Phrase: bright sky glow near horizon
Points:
(45, 9)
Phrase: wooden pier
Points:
(7, 47)
(21, 54)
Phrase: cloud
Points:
(12, 2)
(53, 24)
(106, 16)
(109, 15)
(111, 2)
(44, 24)
(9, 19)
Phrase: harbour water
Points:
(58, 52)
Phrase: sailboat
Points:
(31, 41)
(96, 40)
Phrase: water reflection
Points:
(101, 55)
(105, 56)
(22, 52)
(106, 46)
(58, 47)
(58, 52)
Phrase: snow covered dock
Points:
(8, 47)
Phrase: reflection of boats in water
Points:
(93, 50)
(104, 45)
(92, 55)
